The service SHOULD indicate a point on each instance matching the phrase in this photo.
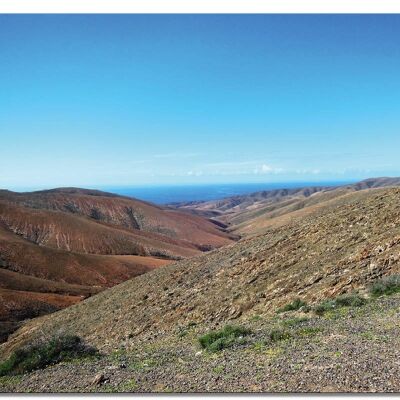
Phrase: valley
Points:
(60, 246)
(332, 243)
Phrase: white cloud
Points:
(314, 171)
(194, 173)
(266, 168)
(240, 168)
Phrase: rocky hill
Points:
(254, 212)
(105, 209)
(62, 245)
(339, 247)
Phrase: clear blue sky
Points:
(134, 99)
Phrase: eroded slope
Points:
(337, 249)
(60, 246)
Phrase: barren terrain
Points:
(60, 246)
(154, 320)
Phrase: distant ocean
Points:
(173, 194)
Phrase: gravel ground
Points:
(347, 350)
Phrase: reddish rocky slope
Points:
(62, 245)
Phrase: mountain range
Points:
(308, 245)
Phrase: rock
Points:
(99, 379)
(251, 280)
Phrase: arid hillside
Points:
(148, 328)
(60, 246)
(64, 231)
(339, 248)
(253, 213)
(115, 211)
(235, 204)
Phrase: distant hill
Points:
(251, 213)
(123, 212)
(376, 183)
(59, 246)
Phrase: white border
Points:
(199, 6)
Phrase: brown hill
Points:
(340, 247)
(271, 214)
(376, 183)
(36, 279)
(61, 230)
(59, 246)
(252, 213)
(22, 256)
(124, 212)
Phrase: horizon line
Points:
(327, 182)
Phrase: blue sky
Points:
(90, 100)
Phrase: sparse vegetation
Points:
(219, 369)
(386, 286)
(119, 354)
(129, 385)
(280, 334)
(184, 330)
(295, 305)
(45, 352)
(308, 331)
(158, 341)
(294, 321)
(277, 335)
(259, 346)
(143, 365)
(221, 339)
(350, 300)
(322, 308)
(347, 300)
(10, 380)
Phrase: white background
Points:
(199, 6)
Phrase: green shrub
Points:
(350, 300)
(308, 331)
(296, 304)
(45, 352)
(277, 335)
(346, 300)
(325, 306)
(386, 286)
(226, 337)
